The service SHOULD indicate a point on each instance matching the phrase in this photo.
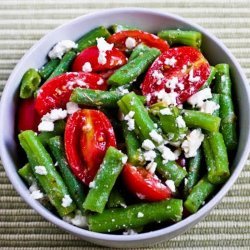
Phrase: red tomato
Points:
(119, 39)
(28, 119)
(88, 134)
(56, 92)
(185, 64)
(143, 184)
(114, 57)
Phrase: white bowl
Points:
(152, 21)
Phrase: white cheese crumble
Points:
(61, 48)
(180, 122)
(122, 90)
(87, 67)
(197, 99)
(92, 184)
(130, 43)
(165, 111)
(46, 126)
(124, 159)
(72, 107)
(129, 232)
(209, 107)
(191, 77)
(66, 200)
(41, 170)
(167, 154)
(130, 120)
(151, 167)
(170, 61)
(140, 215)
(148, 144)
(149, 155)
(158, 76)
(184, 68)
(156, 137)
(78, 220)
(172, 83)
(100, 82)
(103, 47)
(35, 193)
(192, 143)
(168, 98)
(171, 185)
(54, 115)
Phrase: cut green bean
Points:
(136, 216)
(119, 27)
(50, 180)
(116, 199)
(48, 68)
(29, 83)
(64, 64)
(27, 174)
(197, 119)
(216, 158)
(130, 71)
(138, 50)
(190, 38)
(133, 146)
(210, 78)
(228, 122)
(89, 39)
(216, 99)
(194, 171)
(104, 180)
(200, 192)
(223, 84)
(74, 186)
(170, 170)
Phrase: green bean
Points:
(223, 84)
(48, 68)
(216, 99)
(210, 78)
(216, 158)
(228, 122)
(200, 192)
(64, 64)
(51, 181)
(89, 39)
(194, 171)
(170, 170)
(138, 50)
(130, 71)
(118, 27)
(29, 83)
(190, 38)
(133, 146)
(197, 119)
(104, 180)
(116, 199)
(136, 216)
(74, 186)
(27, 174)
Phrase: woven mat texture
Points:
(22, 23)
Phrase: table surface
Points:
(22, 23)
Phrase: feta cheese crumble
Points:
(151, 167)
(66, 201)
(180, 122)
(158, 76)
(78, 220)
(54, 115)
(165, 111)
(140, 215)
(61, 48)
(72, 107)
(149, 155)
(129, 232)
(41, 170)
(35, 193)
(156, 136)
(130, 120)
(191, 77)
(46, 126)
(172, 83)
(130, 43)
(168, 98)
(103, 47)
(148, 144)
(198, 98)
(192, 143)
(209, 107)
(170, 61)
(167, 154)
(92, 184)
(171, 185)
(124, 159)
(87, 67)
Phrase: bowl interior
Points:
(151, 21)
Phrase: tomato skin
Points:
(185, 56)
(88, 134)
(114, 57)
(56, 92)
(143, 184)
(28, 119)
(140, 36)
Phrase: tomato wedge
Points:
(151, 40)
(56, 92)
(182, 70)
(114, 57)
(143, 184)
(88, 134)
(28, 118)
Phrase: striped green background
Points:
(24, 22)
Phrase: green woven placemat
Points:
(24, 22)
